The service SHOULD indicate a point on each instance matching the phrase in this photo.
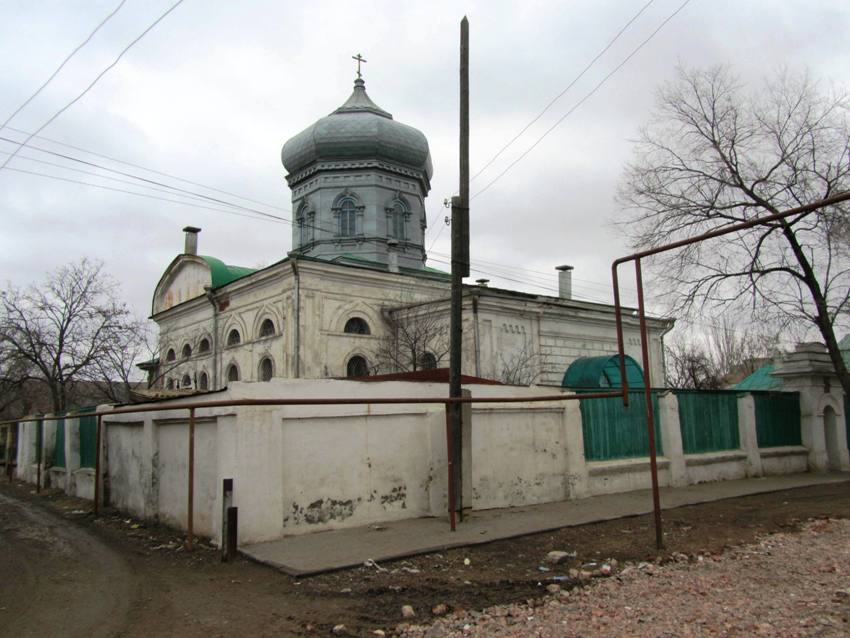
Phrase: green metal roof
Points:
(222, 274)
(602, 372)
(761, 379)
(349, 257)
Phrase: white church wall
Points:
(243, 308)
(125, 465)
(187, 283)
(250, 453)
(300, 469)
(556, 334)
(332, 295)
(365, 464)
(519, 455)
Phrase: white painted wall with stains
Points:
(300, 469)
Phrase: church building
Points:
(354, 296)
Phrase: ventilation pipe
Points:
(565, 281)
(191, 240)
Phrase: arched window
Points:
(357, 326)
(169, 384)
(357, 367)
(232, 372)
(186, 352)
(267, 328)
(396, 216)
(347, 218)
(204, 346)
(427, 361)
(266, 369)
(186, 382)
(305, 221)
(203, 381)
(233, 338)
(170, 355)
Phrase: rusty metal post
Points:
(618, 319)
(190, 511)
(450, 457)
(97, 464)
(650, 416)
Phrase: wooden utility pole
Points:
(460, 266)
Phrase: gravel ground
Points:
(787, 584)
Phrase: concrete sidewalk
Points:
(308, 554)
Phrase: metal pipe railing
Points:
(192, 406)
(636, 258)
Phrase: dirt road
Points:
(58, 580)
(65, 572)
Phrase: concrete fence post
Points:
(747, 434)
(671, 438)
(576, 471)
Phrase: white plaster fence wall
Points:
(299, 469)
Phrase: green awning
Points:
(591, 373)
(761, 379)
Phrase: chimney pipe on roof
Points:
(565, 281)
(191, 247)
(482, 282)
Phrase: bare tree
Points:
(690, 366)
(713, 155)
(718, 353)
(15, 376)
(417, 338)
(115, 373)
(523, 366)
(738, 350)
(70, 329)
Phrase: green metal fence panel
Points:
(777, 418)
(59, 447)
(88, 440)
(613, 431)
(709, 421)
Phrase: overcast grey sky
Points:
(212, 93)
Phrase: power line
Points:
(65, 167)
(598, 284)
(150, 181)
(249, 213)
(121, 190)
(561, 94)
(548, 287)
(439, 232)
(144, 168)
(583, 100)
(253, 214)
(61, 66)
(557, 97)
(91, 85)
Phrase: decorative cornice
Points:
(295, 178)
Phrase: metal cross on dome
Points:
(359, 59)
